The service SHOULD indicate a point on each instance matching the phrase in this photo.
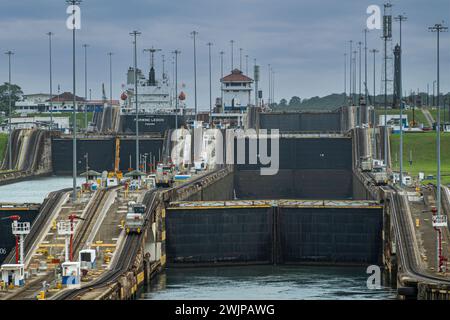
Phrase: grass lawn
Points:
(3, 143)
(444, 115)
(80, 117)
(423, 149)
(420, 118)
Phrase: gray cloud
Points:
(304, 41)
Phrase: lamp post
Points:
(135, 33)
(400, 18)
(438, 28)
(110, 54)
(209, 44)
(194, 34)
(176, 53)
(221, 77)
(74, 3)
(85, 46)
(50, 34)
(9, 54)
(374, 51)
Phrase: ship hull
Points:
(149, 123)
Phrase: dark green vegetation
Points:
(16, 93)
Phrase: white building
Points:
(237, 91)
(32, 103)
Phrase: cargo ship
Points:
(156, 103)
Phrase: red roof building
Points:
(236, 89)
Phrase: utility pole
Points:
(270, 85)
(232, 54)
(221, 77)
(434, 93)
(74, 3)
(110, 54)
(387, 35)
(360, 92)
(209, 44)
(50, 34)
(374, 51)
(400, 18)
(345, 78)
(365, 75)
(240, 59)
(135, 34)
(350, 74)
(176, 53)
(438, 28)
(85, 46)
(246, 64)
(9, 53)
(194, 34)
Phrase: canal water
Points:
(34, 190)
(264, 283)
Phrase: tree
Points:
(16, 93)
(283, 103)
(295, 102)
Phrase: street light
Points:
(74, 3)
(135, 34)
(374, 51)
(232, 54)
(400, 18)
(176, 53)
(110, 54)
(9, 53)
(221, 77)
(438, 28)
(85, 46)
(50, 34)
(194, 34)
(209, 44)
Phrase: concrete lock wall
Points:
(301, 122)
(274, 235)
(101, 153)
(314, 168)
(330, 235)
(219, 236)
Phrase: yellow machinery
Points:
(116, 173)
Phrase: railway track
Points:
(40, 222)
(405, 242)
(124, 262)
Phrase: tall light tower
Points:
(194, 34)
(438, 28)
(345, 78)
(221, 76)
(136, 33)
(401, 18)
(209, 44)
(110, 54)
(365, 75)
(240, 59)
(50, 34)
(85, 46)
(387, 35)
(350, 72)
(246, 64)
(9, 54)
(374, 151)
(360, 92)
(232, 54)
(270, 84)
(74, 3)
(176, 53)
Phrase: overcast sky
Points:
(304, 41)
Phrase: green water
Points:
(264, 283)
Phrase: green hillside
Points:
(423, 149)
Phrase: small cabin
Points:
(13, 274)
